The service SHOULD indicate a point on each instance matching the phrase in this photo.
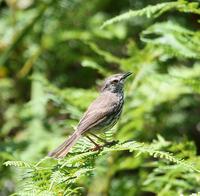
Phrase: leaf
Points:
(149, 11)
(174, 39)
(21, 164)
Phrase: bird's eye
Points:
(114, 82)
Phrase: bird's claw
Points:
(96, 148)
(106, 144)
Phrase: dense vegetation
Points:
(54, 56)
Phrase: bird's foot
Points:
(96, 148)
(107, 144)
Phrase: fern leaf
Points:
(153, 11)
(174, 39)
(77, 159)
(21, 164)
(142, 148)
(149, 11)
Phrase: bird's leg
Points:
(104, 141)
(97, 146)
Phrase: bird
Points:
(102, 114)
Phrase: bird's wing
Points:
(98, 111)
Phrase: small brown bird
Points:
(101, 115)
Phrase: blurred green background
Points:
(54, 56)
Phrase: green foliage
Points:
(153, 11)
(173, 38)
(53, 59)
(60, 176)
(22, 164)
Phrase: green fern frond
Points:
(54, 176)
(163, 173)
(21, 164)
(148, 11)
(174, 39)
(77, 159)
(143, 148)
(153, 11)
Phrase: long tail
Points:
(64, 148)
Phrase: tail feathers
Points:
(64, 148)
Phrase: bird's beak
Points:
(125, 75)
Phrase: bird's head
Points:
(115, 82)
